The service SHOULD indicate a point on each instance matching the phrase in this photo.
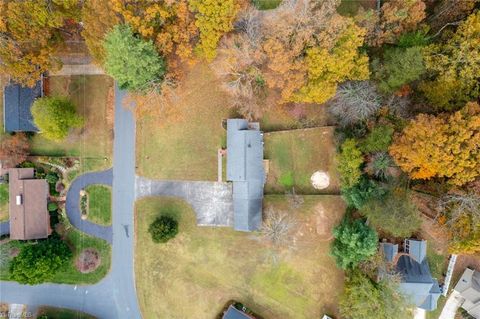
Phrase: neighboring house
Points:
(234, 313)
(469, 289)
(412, 266)
(29, 218)
(245, 169)
(17, 102)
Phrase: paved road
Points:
(114, 297)
(73, 207)
(211, 201)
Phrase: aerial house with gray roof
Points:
(412, 266)
(468, 287)
(246, 172)
(17, 102)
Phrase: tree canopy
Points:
(441, 146)
(14, 150)
(133, 62)
(394, 213)
(349, 161)
(163, 229)
(363, 298)
(30, 33)
(354, 242)
(455, 65)
(55, 116)
(39, 262)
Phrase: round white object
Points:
(320, 180)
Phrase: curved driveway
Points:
(114, 297)
(73, 204)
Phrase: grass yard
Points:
(295, 155)
(68, 274)
(198, 272)
(3, 202)
(184, 145)
(58, 313)
(92, 97)
(99, 204)
(266, 4)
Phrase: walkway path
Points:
(211, 201)
(451, 306)
(114, 297)
(73, 207)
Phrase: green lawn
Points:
(91, 95)
(99, 204)
(69, 274)
(198, 272)
(3, 202)
(295, 155)
(58, 313)
(266, 4)
(436, 313)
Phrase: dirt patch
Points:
(14, 252)
(320, 224)
(435, 234)
(88, 260)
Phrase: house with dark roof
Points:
(17, 102)
(468, 287)
(246, 172)
(412, 266)
(29, 218)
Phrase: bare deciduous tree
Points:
(295, 200)
(277, 227)
(458, 205)
(355, 102)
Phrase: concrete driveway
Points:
(452, 304)
(211, 201)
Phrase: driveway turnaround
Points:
(211, 201)
(73, 204)
(114, 297)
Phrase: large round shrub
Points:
(55, 116)
(163, 229)
(37, 263)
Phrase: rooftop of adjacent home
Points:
(412, 265)
(245, 169)
(29, 218)
(17, 101)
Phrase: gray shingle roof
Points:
(17, 103)
(245, 170)
(416, 280)
(469, 288)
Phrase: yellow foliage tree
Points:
(441, 146)
(327, 68)
(456, 66)
(98, 19)
(213, 19)
(30, 34)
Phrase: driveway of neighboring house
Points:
(211, 201)
(73, 204)
(451, 306)
(114, 297)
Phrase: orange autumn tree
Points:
(441, 146)
(14, 150)
(399, 16)
(30, 33)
